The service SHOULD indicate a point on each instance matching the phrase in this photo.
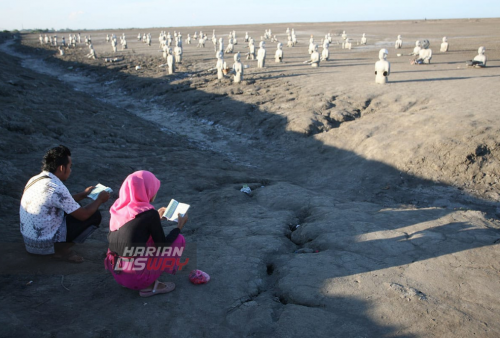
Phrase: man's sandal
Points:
(168, 287)
(71, 256)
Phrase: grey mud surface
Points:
(372, 214)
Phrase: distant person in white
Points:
(230, 45)
(170, 61)
(417, 48)
(347, 43)
(480, 60)
(178, 52)
(325, 54)
(363, 39)
(399, 43)
(51, 219)
(424, 55)
(278, 56)
(261, 55)
(251, 52)
(220, 64)
(237, 68)
(382, 67)
(315, 58)
(444, 45)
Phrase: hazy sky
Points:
(94, 14)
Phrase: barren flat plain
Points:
(373, 211)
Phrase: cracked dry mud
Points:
(373, 209)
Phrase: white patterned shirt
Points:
(43, 221)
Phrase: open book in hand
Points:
(174, 208)
(98, 188)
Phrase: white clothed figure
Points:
(444, 45)
(113, 44)
(230, 46)
(311, 45)
(188, 40)
(278, 56)
(344, 36)
(46, 39)
(294, 38)
(261, 55)
(425, 53)
(289, 43)
(165, 51)
(124, 43)
(348, 44)
(246, 37)
(325, 54)
(41, 39)
(399, 43)
(170, 61)
(139, 37)
(201, 42)
(315, 58)
(79, 38)
(480, 60)
(326, 42)
(214, 41)
(178, 53)
(363, 39)
(287, 32)
(251, 51)
(237, 68)
(221, 45)
(195, 36)
(92, 54)
(417, 48)
(382, 67)
(61, 50)
(220, 64)
(107, 37)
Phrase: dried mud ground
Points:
(394, 188)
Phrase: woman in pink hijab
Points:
(138, 249)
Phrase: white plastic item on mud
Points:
(246, 189)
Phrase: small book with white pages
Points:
(97, 189)
(174, 208)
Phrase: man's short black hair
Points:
(55, 157)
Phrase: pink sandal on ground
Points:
(169, 286)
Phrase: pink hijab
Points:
(135, 195)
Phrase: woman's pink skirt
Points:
(128, 272)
